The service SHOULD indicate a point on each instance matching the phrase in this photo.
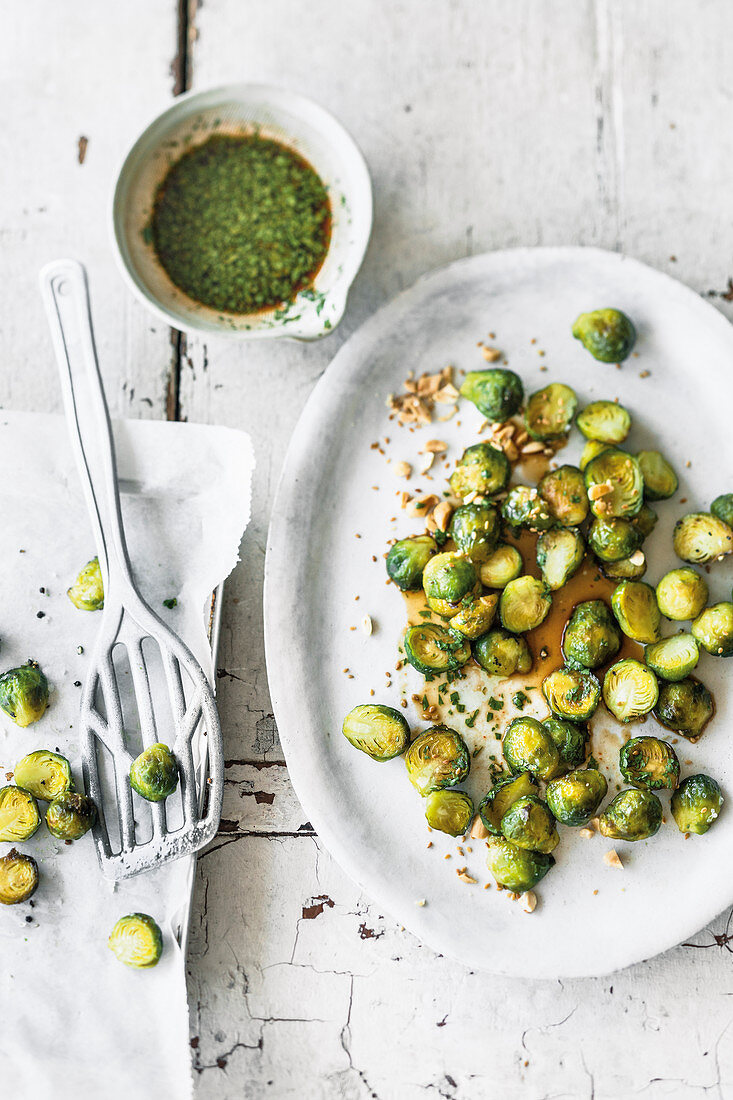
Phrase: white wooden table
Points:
(486, 123)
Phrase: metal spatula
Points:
(125, 699)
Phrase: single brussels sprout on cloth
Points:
(432, 648)
(685, 707)
(615, 485)
(649, 763)
(70, 816)
(632, 815)
(608, 334)
(628, 569)
(497, 393)
(529, 747)
(136, 940)
(379, 731)
(630, 690)
(475, 529)
(722, 508)
(19, 814)
(563, 490)
(660, 480)
(550, 411)
(634, 603)
(502, 654)
(87, 591)
(18, 877)
(525, 508)
(502, 566)
(682, 594)
(605, 421)
(502, 795)
(436, 759)
(449, 812)
(44, 773)
(614, 539)
(447, 579)
(560, 554)
(572, 693)
(476, 618)
(700, 537)
(524, 604)
(645, 520)
(515, 868)
(24, 693)
(574, 798)
(713, 629)
(482, 469)
(592, 448)
(673, 658)
(571, 739)
(529, 824)
(591, 637)
(407, 559)
(154, 773)
(696, 804)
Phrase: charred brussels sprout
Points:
(696, 804)
(525, 508)
(632, 815)
(87, 591)
(630, 690)
(649, 763)
(524, 604)
(628, 569)
(448, 579)
(502, 795)
(560, 554)
(136, 940)
(45, 774)
(615, 484)
(572, 693)
(482, 469)
(449, 812)
(574, 798)
(722, 508)
(436, 759)
(381, 732)
(591, 637)
(563, 490)
(154, 773)
(614, 539)
(497, 393)
(673, 658)
(571, 740)
(515, 868)
(501, 567)
(24, 693)
(432, 648)
(701, 536)
(685, 707)
(529, 747)
(502, 654)
(19, 815)
(70, 816)
(550, 411)
(606, 421)
(635, 606)
(660, 480)
(607, 334)
(475, 618)
(18, 877)
(592, 448)
(475, 529)
(713, 629)
(530, 825)
(682, 594)
(645, 520)
(407, 559)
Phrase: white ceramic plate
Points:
(592, 918)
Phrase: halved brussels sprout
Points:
(701, 536)
(87, 591)
(607, 334)
(606, 421)
(449, 812)
(591, 637)
(632, 815)
(550, 411)
(436, 759)
(530, 825)
(407, 559)
(430, 648)
(560, 554)
(475, 618)
(696, 804)
(475, 529)
(501, 567)
(18, 877)
(630, 690)
(524, 604)
(645, 520)
(19, 815)
(673, 658)
(572, 693)
(154, 773)
(529, 747)
(628, 569)
(24, 693)
(70, 816)
(44, 773)
(497, 393)
(634, 604)
(592, 448)
(722, 508)
(685, 707)
(574, 798)
(502, 654)
(563, 490)
(660, 480)
(614, 539)
(515, 868)
(713, 629)
(525, 508)
(136, 940)
(482, 469)
(649, 763)
(615, 484)
(447, 579)
(682, 594)
(571, 739)
(379, 731)
(502, 795)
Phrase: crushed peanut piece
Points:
(490, 354)
(436, 446)
(421, 902)
(402, 469)
(533, 448)
(637, 558)
(442, 514)
(613, 859)
(478, 829)
(595, 492)
(422, 506)
(529, 901)
(468, 879)
(367, 625)
(586, 834)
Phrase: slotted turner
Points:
(186, 710)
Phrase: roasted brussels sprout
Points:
(18, 877)
(563, 490)
(515, 868)
(529, 747)
(137, 941)
(525, 508)
(632, 815)
(630, 690)
(550, 411)
(574, 798)
(614, 539)
(436, 759)
(696, 804)
(502, 654)
(524, 604)
(381, 732)
(24, 693)
(701, 536)
(87, 591)
(682, 594)
(649, 763)
(645, 520)
(475, 618)
(447, 579)
(607, 334)
(19, 815)
(571, 739)
(154, 773)
(475, 529)
(501, 567)
(449, 812)
(530, 825)
(591, 637)
(660, 480)
(44, 773)
(407, 559)
(432, 648)
(483, 469)
(592, 448)
(606, 421)
(572, 693)
(497, 393)
(634, 604)
(673, 658)
(615, 484)
(713, 629)
(685, 707)
(560, 554)
(70, 816)
(722, 508)
(502, 795)
(628, 569)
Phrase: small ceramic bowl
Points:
(235, 109)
